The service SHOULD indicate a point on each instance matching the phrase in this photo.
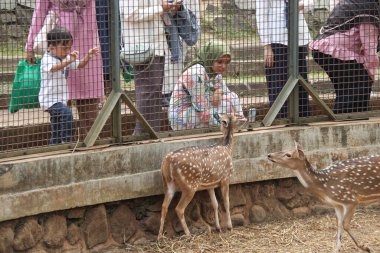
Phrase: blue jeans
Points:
(61, 119)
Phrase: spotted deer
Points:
(343, 185)
(193, 169)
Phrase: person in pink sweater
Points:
(85, 87)
(346, 49)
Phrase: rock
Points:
(220, 22)
(301, 212)
(95, 227)
(152, 223)
(320, 209)
(55, 231)
(6, 240)
(73, 251)
(298, 201)
(23, 15)
(281, 212)
(7, 18)
(237, 220)
(53, 250)
(237, 197)
(177, 226)
(123, 224)
(28, 235)
(257, 214)
(156, 207)
(34, 250)
(245, 5)
(286, 182)
(73, 234)
(76, 213)
(207, 212)
(268, 190)
(276, 209)
(141, 240)
(285, 193)
(195, 212)
(211, 8)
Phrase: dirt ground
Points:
(315, 234)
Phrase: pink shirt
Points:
(359, 43)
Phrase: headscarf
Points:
(208, 54)
(350, 13)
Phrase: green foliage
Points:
(231, 26)
(11, 49)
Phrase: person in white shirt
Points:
(272, 23)
(142, 24)
(173, 69)
(55, 65)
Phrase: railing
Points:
(103, 101)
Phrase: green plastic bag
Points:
(128, 74)
(26, 86)
(128, 71)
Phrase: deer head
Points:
(292, 159)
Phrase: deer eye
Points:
(288, 155)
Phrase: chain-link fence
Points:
(76, 73)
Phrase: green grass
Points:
(245, 79)
(228, 31)
(8, 49)
(313, 76)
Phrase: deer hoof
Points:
(160, 238)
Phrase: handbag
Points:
(26, 86)
(138, 54)
(187, 25)
(40, 41)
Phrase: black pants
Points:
(278, 75)
(351, 81)
(148, 86)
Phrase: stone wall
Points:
(15, 23)
(137, 221)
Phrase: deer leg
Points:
(225, 189)
(349, 211)
(169, 193)
(186, 197)
(339, 220)
(214, 203)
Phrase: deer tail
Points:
(165, 171)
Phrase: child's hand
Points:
(93, 52)
(74, 55)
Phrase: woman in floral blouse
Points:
(201, 94)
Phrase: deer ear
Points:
(301, 154)
(298, 146)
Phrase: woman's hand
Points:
(173, 6)
(30, 58)
(268, 56)
(216, 98)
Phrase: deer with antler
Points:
(343, 185)
(193, 169)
